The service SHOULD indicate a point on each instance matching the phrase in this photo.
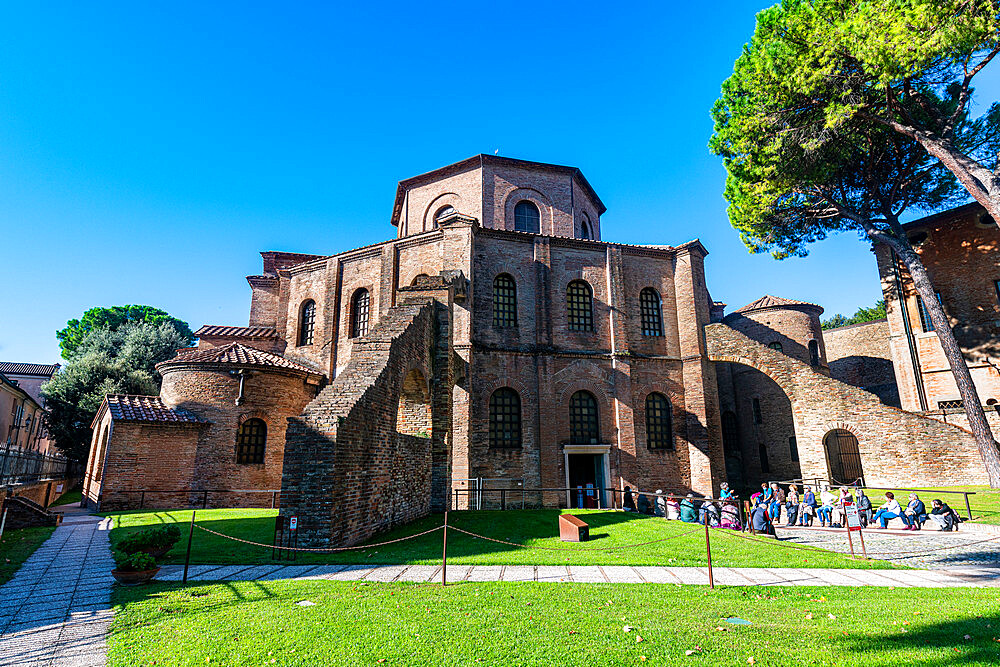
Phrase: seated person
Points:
(915, 513)
(807, 508)
(725, 493)
(644, 505)
(760, 520)
(628, 500)
(710, 512)
(731, 516)
(689, 511)
(864, 506)
(889, 510)
(838, 509)
(673, 509)
(944, 517)
(792, 505)
(660, 504)
(825, 511)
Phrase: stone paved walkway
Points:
(730, 576)
(56, 610)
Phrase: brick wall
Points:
(349, 473)
(897, 447)
(859, 355)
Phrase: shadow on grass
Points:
(943, 636)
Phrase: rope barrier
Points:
(318, 549)
(527, 546)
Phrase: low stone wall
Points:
(898, 448)
(43, 493)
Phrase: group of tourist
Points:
(767, 505)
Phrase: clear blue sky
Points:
(147, 154)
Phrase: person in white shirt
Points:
(890, 510)
(825, 511)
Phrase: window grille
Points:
(527, 218)
(250, 441)
(504, 301)
(580, 306)
(651, 312)
(948, 405)
(360, 313)
(925, 319)
(776, 346)
(505, 418)
(583, 426)
(659, 431)
(307, 323)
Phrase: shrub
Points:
(136, 562)
(150, 539)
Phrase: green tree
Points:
(794, 176)
(111, 319)
(876, 312)
(119, 361)
(908, 65)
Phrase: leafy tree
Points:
(795, 176)
(111, 319)
(908, 65)
(119, 361)
(876, 312)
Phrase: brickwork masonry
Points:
(897, 448)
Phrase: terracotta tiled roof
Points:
(130, 408)
(19, 368)
(236, 354)
(236, 332)
(768, 301)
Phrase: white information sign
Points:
(853, 518)
(293, 523)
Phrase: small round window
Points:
(442, 212)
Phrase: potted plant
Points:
(134, 569)
(155, 541)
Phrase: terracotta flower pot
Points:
(133, 578)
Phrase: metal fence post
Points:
(708, 553)
(968, 507)
(444, 552)
(187, 558)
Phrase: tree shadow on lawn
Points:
(949, 636)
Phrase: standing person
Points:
(888, 511)
(808, 507)
(628, 500)
(944, 517)
(914, 514)
(777, 500)
(864, 506)
(827, 501)
(792, 505)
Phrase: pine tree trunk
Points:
(981, 183)
(988, 447)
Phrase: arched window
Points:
(307, 322)
(586, 232)
(505, 418)
(250, 441)
(813, 353)
(580, 306)
(583, 424)
(659, 430)
(775, 346)
(417, 278)
(527, 218)
(651, 312)
(443, 211)
(360, 306)
(504, 301)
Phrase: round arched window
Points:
(442, 212)
(527, 218)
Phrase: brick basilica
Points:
(498, 343)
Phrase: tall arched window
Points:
(580, 306)
(250, 441)
(504, 301)
(443, 211)
(659, 429)
(584, 428)
(651, 311)
(527, 218)
(505, 418)
(813, 353)
(307, 322)
(360, 307)
(586, 231)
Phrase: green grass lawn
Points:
(17, 545)
(531, 527)
(71, 496)
(260, 623)
(985, 504)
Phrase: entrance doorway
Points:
(843, 457)
(586, 480)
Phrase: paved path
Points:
(730, 576)
(927, 548)
(56, 610)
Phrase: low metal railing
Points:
(18, 466)
(817, 481)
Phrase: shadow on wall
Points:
(873, 374)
